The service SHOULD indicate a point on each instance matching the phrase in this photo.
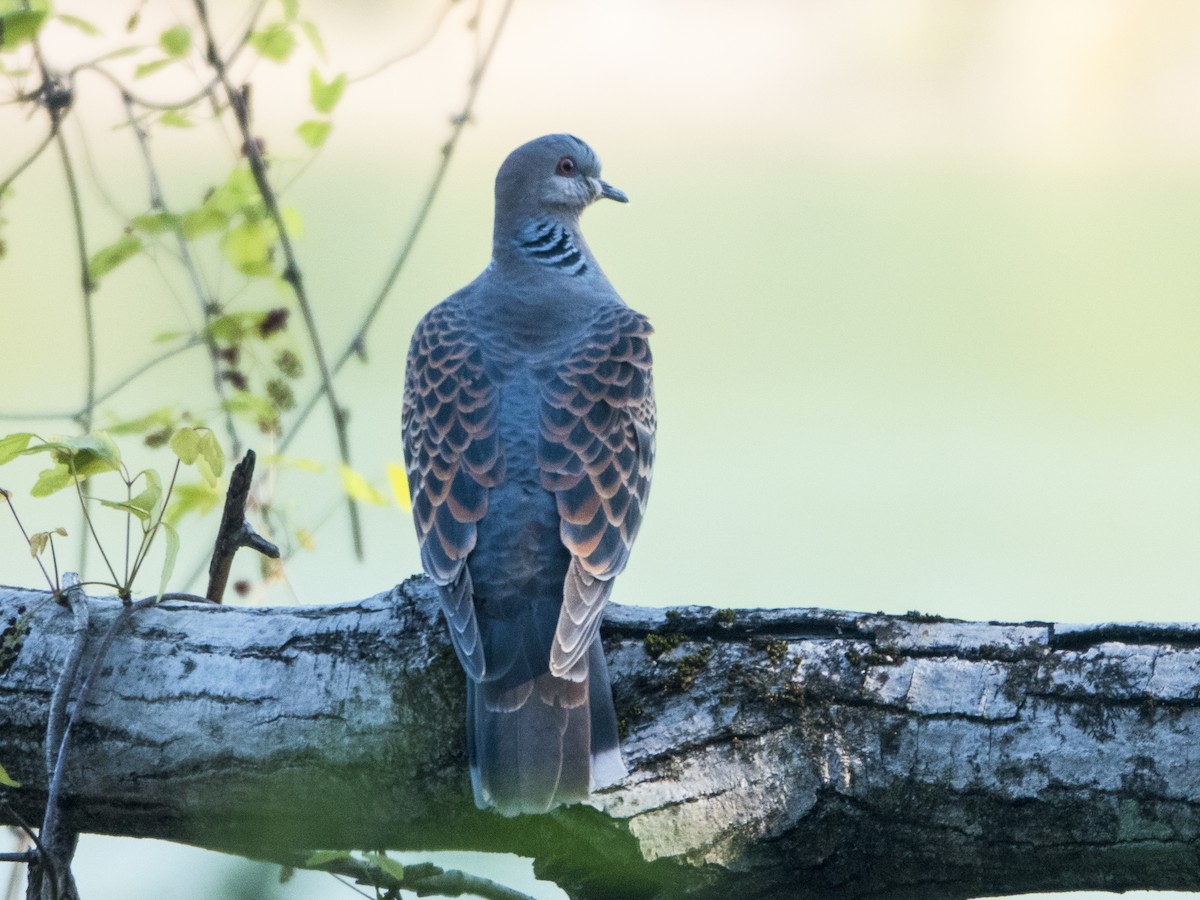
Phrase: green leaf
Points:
(251, 406)
(146, 504)
(391, 866)
(174, 118)
(6, 779)
(188, 498)
(239, 193)
(325, 95)
(203, 221)
(82, 24)
(108, 258)
(185, 443)
(248, 245)
(158, 419)
(176, 41)
(153, 66)
(129, 508)
(275, 42)
(19, 26)
(13, 445)
(314, 38)
(157, 223)
(211, 453)
(232, 327)
(172, 537)
(314, 132)
(90, 454)
(51, 481)
(291, 8)
(322, 857)
(358, 488)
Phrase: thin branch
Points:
(357, 343)
(239, 101)
(158, 203)
(192, 99)
(422, 878)
(7, 497)
(87, 285)
(29, 160)
(194, 341)
(412, 51)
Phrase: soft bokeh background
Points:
(924, 275)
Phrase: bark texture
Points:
(789, 753)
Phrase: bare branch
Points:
(772, 754)
(235, 531)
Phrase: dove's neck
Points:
(551, 243)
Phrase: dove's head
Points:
(558, 175)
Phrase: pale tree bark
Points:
(788, 753)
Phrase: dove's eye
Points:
(566, 166)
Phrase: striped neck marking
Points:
(550, 244)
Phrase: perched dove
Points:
(529, 440)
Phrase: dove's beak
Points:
(610, 192)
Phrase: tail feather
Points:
(549, 750)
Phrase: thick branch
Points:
(791, 753)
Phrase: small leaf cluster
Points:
(76, 459)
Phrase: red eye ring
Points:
(566, 167)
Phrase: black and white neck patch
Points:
(551, 244)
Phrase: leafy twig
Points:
(355, 347)
(239, 102)
(191, 99)
(158, 203)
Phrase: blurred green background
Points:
(923, 272)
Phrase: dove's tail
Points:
(544, 742)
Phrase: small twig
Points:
(357, 343)
(410, 52)
(29, 160)
(88, 287)
(7, 497)
(235, 532)
(20, 856)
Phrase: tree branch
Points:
(357, 344)
(235, 531)
(251, 147)
(772, 753)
